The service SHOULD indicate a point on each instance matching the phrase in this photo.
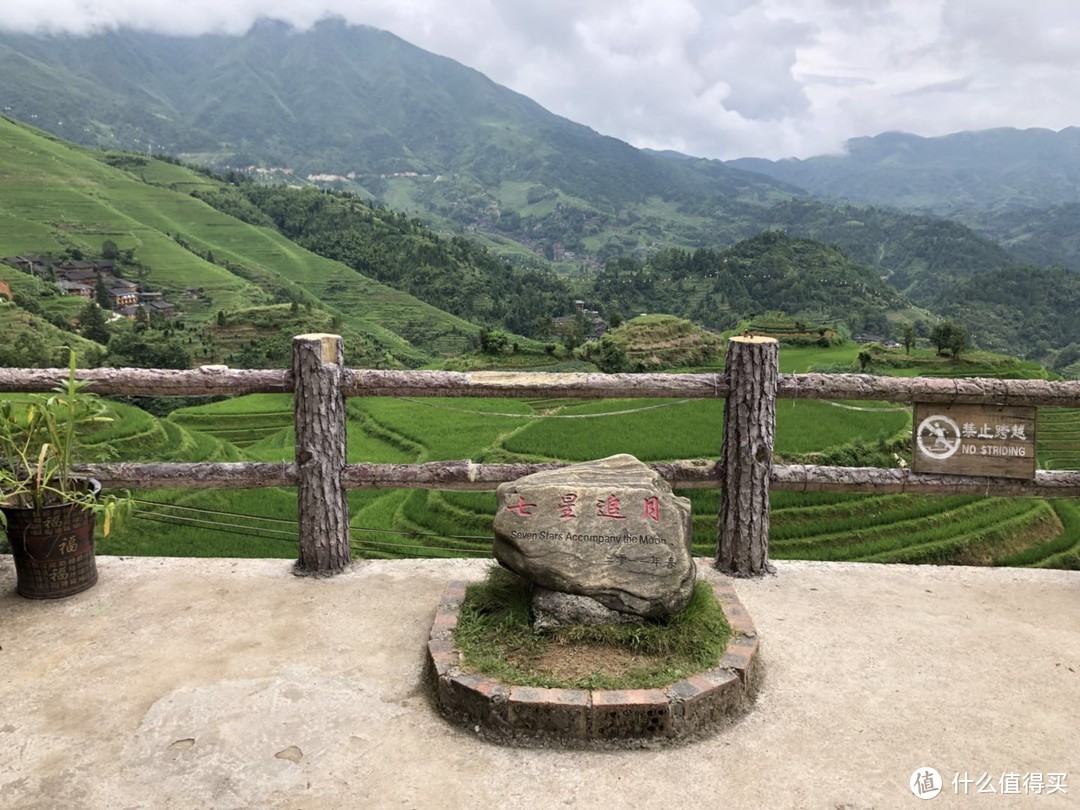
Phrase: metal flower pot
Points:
(53, 548)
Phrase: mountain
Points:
(360, 110)
(231, 280)
(987, 170)
(334, 99)
(768, 272)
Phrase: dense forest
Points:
(771, 271)
(455, 274)
(717, 288)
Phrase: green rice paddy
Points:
(420, 523)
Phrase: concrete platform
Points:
(182, 683)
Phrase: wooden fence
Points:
(745, 472)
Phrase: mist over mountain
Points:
(360, 110)
(988, 170)
(334, 99)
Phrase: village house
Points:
(28, 263)
(595, 325)
(120, 297)
(80, 278)
(162, 308)
(77, 288)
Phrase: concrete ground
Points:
(185, 683)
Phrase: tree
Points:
(110, 250)
(941, 336)
(908, 338)
(221, 318)
(865, 359)
(948, 337)
(611, 357)
(143, 351)
(101, 293)
(493, 341)
(958, 342)
(26, 351)
(92, 323)
(572, 332)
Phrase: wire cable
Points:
(214, 511)
(190, 521)
(232, 530)
(405, 533)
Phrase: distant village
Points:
(81, 279)
(595, 325)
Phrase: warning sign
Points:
(974, 440)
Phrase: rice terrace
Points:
(902, 528)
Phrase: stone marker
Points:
(610, 529)
(551, 609)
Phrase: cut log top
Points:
(751, 339)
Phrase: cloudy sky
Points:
(716, 78)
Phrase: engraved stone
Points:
(610, 529)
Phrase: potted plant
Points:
(48, 511)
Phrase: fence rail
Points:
(213, 380)
(465, 475)
(750, 386)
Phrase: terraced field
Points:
(1059, 438)
(872, 528)
(59, 196)
(264, 415)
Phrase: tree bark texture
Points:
(378, 383)
(318, 362)
(198, 475)
(152, 382)
(746, 456)
(524, 384)
(876, 481)
(467, 475)
(976, 390)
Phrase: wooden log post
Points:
(318, 364)
(746, 459)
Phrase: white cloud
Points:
(720, 78)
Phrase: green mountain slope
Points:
(1046, 236)
(986, 170)
(456, 274)
(57, 196)
(421, 133)
(334, 98)
(770, 272)
(367, 112)
(426, 135)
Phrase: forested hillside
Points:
(771, 271)
(455, 274)
(359, 109)
(989, 170)
(64, 201)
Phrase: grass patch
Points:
(496, 637)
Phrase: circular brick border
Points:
(531, 715)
